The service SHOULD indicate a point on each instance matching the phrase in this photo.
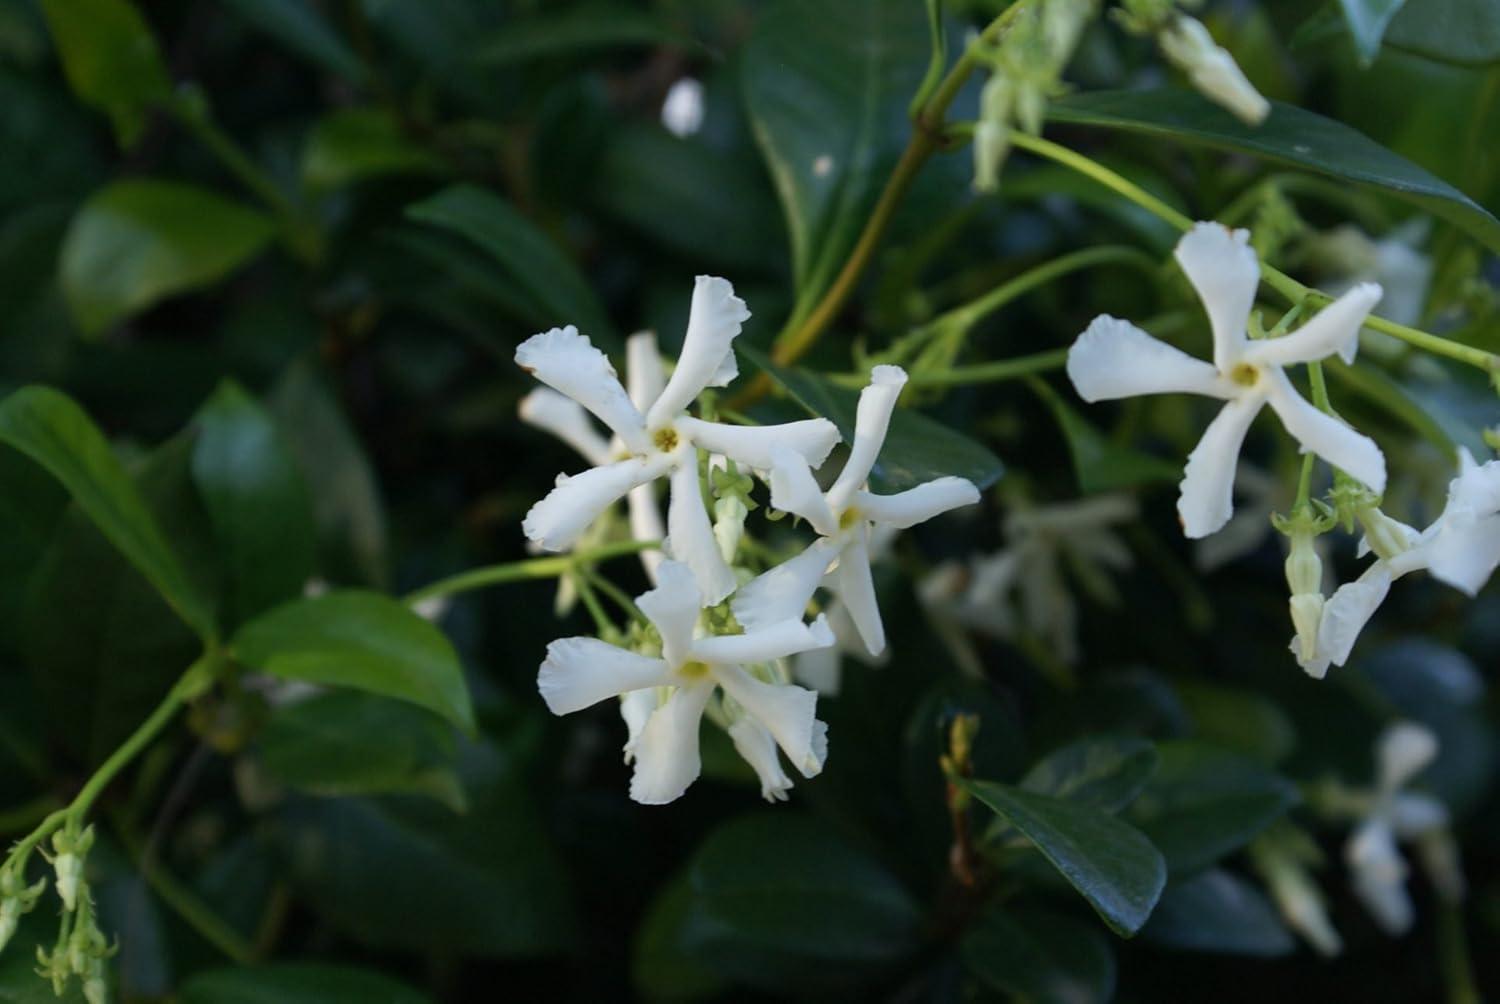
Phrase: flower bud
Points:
(10, 919)
(1307, 615)
(729, 525)
(1212, 70)
(1387, 537)
(1304, 569)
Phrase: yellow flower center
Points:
(693, 670)
(1245, 374)
(665, 440)
(848, 518)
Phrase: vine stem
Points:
(991, 372)
(1291, 289)
(520, 571)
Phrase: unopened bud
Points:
(729, 525)
(1304, 569)
(1212, 70)
(1307, 615)
(1387, 537)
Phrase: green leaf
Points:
(917, 449)
(258, 503)
(557, 293)
(1290, 135)
(111, 60)
(579, 30)
(361, 640)
(296, 983)
(781, 898)
(1217, 911)
(1239, 720)
(344, 743)
(1104, 772)
(827, 96)
(139, 241)
(662, 966)
(353, 144)
(1205, 802)
(299, 26)
(1100, 465)
(1041, 957)
(1109, 862)
(1451, 31)
(50, 428)
(1367, 21)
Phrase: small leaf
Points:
(296, 983)
(139, 241)
(299, 26)
(1367, 21)
(557, 293)
(1205, 802)
(1098, 464)
(917, 449)
(361, 640)
(53, 430)
(353, 144)
(1041, 957)
(258, 503)
(1290, 135)
(1217, 911)
(579, 30)
(1104, 772)
(1109, 862)
(110, 59)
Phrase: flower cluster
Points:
(712, 637)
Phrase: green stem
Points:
(1319, 387)
(993, 372)
(1453, 950)
(615, 593)
(521, 571)
(971, 313)
(602, 623)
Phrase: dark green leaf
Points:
(298, 25)
(353, 144)
(361, 640)
(662, 965)
(31, 505)
(1453, 31)
(1110, 863)
(258, 503)
(1239, 720)
(1367, 21)
(51, 429)
(1290, 135)
(111, 60)
(579, 30)
(1105, 772)
(1041, 957)
(557, 292)
(827, 99)
(1098, 464)
(917, 449)
(136, 242)
(1217, 911)
(345, 743)
(296, 983)
(1205, 802)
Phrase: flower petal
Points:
(1325, 435)
(635, 708)
(919, 504)
(1114, 359)
(856, 590)
(580, 672)
(673, 608)
(1465, 557)
(795, 490)
(1413, 813)
(557, 520)
(872, 420)
(758, 748)
(1349, 609)
(819, 669)
(707, 358)
(646, 524)
(1378, 873)
(1335, 329)
(763, 644)
(782, 593)
(1221, 265)
(644, 375)
(666, 754)
(1207, 491)
(1403, 751)
(568, 362)
(565, 418)
(690, 536)
(756, 445)
(787, 711)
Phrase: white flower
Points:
(663, 441)
(580, 672)
(822, 668)
(1212, 70)
(1393, 261)
(843, 518)
(1115, 359)
(1378, 871)
(682, 111)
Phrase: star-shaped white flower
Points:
(662, 441)
(843, 518)
(1115, 359)
(580, 672)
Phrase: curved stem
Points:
(993, 372)
(520, 571)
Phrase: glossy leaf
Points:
(360, 640)
(1108, 861)
(257, 500)
(917, 449)
(557, 293)
(111, 60)
(139, 241)
(54, 431)
(1098, 464)
(353, 144)
(827, 100)
(299, 26)
(1205, 802)
(1452, 31)
(1367, 21)
(1043, 957)
(1104, 772)
(1290, 135)
(296, 983)
(345, 743)
(1217, 911)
